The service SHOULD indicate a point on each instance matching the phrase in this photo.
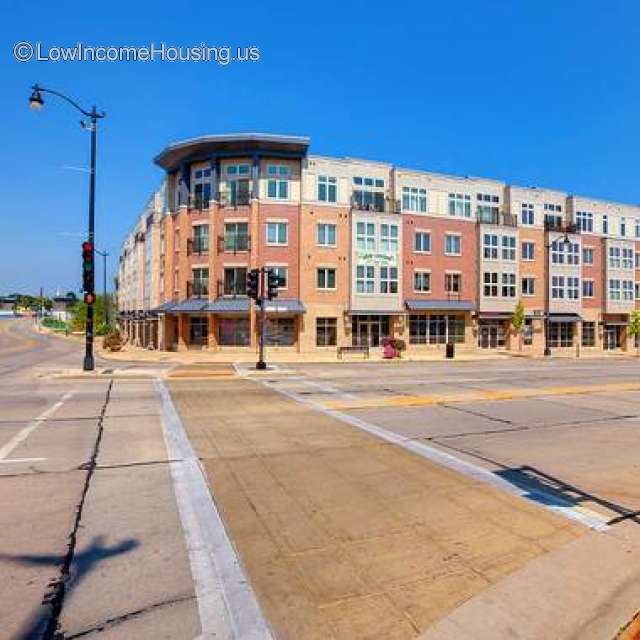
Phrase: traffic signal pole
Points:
(89, 362)
(261, 365)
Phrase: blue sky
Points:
(535, 93)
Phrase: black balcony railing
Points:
(560, 226)
(234, 244)
(372, 201)
(198, 289)
(232, 289)
(497, 217)
(234, 199)
(199, 202)
(197, 246)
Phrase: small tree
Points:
(634, 329)
(517, 322)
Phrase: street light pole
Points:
(104, 255)
(36, 102)
(548, 245)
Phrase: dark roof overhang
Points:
(231, 145)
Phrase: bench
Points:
(364, 349)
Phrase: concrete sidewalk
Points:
(344, 536)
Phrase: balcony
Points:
(374, 201)
(198, 203)
(234, 244)
(234, 199)
(197, 289)
(500, 218)
(560, 226)
(198, 246)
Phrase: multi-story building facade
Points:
(366, 250)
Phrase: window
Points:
(627, 258)
(527, 333)
(490, 282)
(562, 253)
(587, 288)
(201, 282)
(201, 238)
(508, 247)
(552, 207)
(588, 334)
(365, 279)
(235, 281)
(438, 329)
(584, 221)
(234, 332)
(201, 188)
(614, 290)
(637, 259)
(283, 276)
(368, 193)
(327, 189)
(490, 246)
(453, 283)
(281, 332)
(623, 227)
(326, 332)
(326, 235)
(614, 257)
(528, 251)
(326, 278)
(573, 288)
(422, 281)
(637, 227)
(422, 242)
(237, 178)
(528, 286)
(526, 214)
(627, 290)
(487, 197)
(637, 290)
(587, 255)
(278, 181)
(277, 232)
(452, 244)
(508, 285)
(366, 236)
(414, 199)
(459, 205)
(388, 279)
(198, 330)
(389, 238)
(561, 334)
(236, 236)
(557, 287)
(605, 224)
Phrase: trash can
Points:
(451, 350)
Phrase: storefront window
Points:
(326, 332)
(234, 332)
(436, 329)
(281, 332)
(588, 334)
(561, 334)
(198, 331)
(527, 332)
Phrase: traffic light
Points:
(273, 282)
(87, 268)
(89, 298)
(253, 283)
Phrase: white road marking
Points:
(23, 434)
(549, 501)
(227, 605)
(18, 460)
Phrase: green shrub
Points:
(113, 340)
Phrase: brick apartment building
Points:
(366, 250)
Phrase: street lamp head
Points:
(566, 238)
(35, 100)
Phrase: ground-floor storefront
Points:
(233, 325)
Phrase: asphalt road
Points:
(90, 538)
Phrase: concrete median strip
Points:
(227, 605)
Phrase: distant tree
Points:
(79, 316)
(517, 322)
(634, 329)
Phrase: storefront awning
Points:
(375, 312)
(190, 305)
(564, 317)
(439, 305)
(229, 305)
(614, 323)
(285, 305)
